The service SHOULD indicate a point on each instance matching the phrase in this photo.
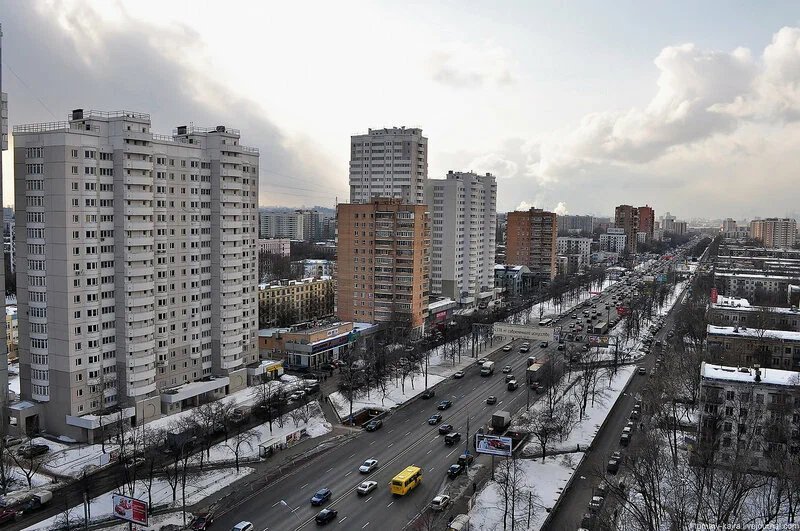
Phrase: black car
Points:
(452, 438)
(325, 516)
(32, 450)
(444, 429)
(455, 470)
(444, 404)
(435, 419)
(429, 393)
(373, 425)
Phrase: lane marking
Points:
(368, 499)
(373, 442)
(407, 434)
(429, 451)
(304, 486)
(390, 431)
(348, 473)
(451, 453)
(331, 468)
(343, 519)
(390, 505)
(431, 469)
(353, 455)
(365, 525)
(390, 445)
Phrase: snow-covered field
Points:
(395, 394)
(197, 488)
(545, 480)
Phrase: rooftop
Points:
(745, 374)
(742, 331)
(751, 275)
(740, 303)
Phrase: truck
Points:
(487, 369)
(501, 420)
(532, 374)
(24, 502)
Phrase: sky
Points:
(690, 107)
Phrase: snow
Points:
(197, 488)
(741, 331)
(546, 481)
(73, 460)
(394, 396)
(745, 374)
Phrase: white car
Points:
(440, 502)
(368, 466)
(366, 487)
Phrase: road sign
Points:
(535, 333)
(129, 509)
(598, 341)
(493, 445)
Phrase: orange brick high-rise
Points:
(531, 241)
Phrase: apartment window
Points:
(74, 153)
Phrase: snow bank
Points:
(394, 396)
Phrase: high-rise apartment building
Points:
(531, 241)
(296, 225)
(136, 282)
(388, 163)
(729, 228)
(383, 263)
(647, 220)
(774, 232)
(626, 217)
(3, 347)
(668, 223)
(463, 209)
(572, 224)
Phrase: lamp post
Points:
(291, 510)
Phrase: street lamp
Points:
(291, 511)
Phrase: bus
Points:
(600, 328)
(406, 481)
(545, 322)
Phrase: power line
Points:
(29, 89)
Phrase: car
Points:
(368, 466)
(373, 425)
(538, 387)
(613, 466)
(560, 347)
(512, 385)
(455, 470)
(543, 344)
(434, 419)
(525, 348)
(625, 439)
(440, 502)
(507, 348)
(444, 404)
(444, 429)
(321, 496)
(574, 315)
(366, 487)
(32, 450)
(634, 414)
(481, 361)
(507, 369)
(452, 438)
(491, 400)
(429, 393)
(13, 441)
(458, 374)
(201, 522)
(596, 503)
(325, 516)
(642, 371)
(466, 459)
(7, 515)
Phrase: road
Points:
(575, 502)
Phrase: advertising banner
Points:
(598, 341)
(129, 509)
(493, 445)
(535, 333)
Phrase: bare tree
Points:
(509, 478)
(240, 440)
(29, 464)
(268, 399)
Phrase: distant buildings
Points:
(577, 246)
(515, 280)
(760, 288)
(296, 225)
(463, 223)
(137, 269)
(774, 232)
(279, 246)
(575, 225)
(626, 218)
(312, 348)
(287, 302)
(744, 346)
(388, 163)
(314, 268)
(614, 240)
(738, 312)
(383, 263)
(531, 241)
(647, 218)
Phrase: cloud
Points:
(495, 164)
(82, 58)
(524, 205)
(560, 209)
(467, 65)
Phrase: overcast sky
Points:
(691, 107)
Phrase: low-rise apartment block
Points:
(744, 346)
(314, 268)
(312, 348)
(279, 246)
(286, 302)
(735, 311)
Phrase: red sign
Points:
(714, 295)
(129, 509)
(622, 310)
(441, 316)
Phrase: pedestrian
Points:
(474, 487)
(579, 447)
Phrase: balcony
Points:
(138, 195)
(139, 271)
(138, 179)
(130, 164)
(139, 285)
(140, 390)
(139, 256)
(139, 241)
(140, 376)
(138, 348)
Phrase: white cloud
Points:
(524, 205)
(496, 164)
(467, 65)
(560, 209)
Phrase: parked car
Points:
(613, 465)
(429, 393)
(321, 496)
(434, 419)
(444, 429)
(625, 439)
(466, 459)
(440, 502)
(596, 503)
(452, 438)
(368, 466)
(7, 515)
(491, 399)
(455, 470)
(201, 522)
(444, 404)
(373, 425)
(366, 487)
(325, 516)
(458, 374)
(507, 348)
(642, 371)
(32, 450)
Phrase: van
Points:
(452, 438)
(243, 526)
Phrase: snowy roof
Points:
(745, 374)
(742, 331)
(11, 310)
(443, 303)
(269, 332)
(736, 303)
(732, 301)
(752, 275)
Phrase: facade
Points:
(774, 232)
(729, 228)
(647, 220)
(733, 311)
(463, 228)
(514, 280)
(572, 224)
(668, 222)
(287, 302)
(614, 240)
(754, 286)
(291, 225)
(579, 246)
(569, 264)
(626, 218)
(9, 242)
(744, 346)
(12, 332)
(383, 263)
(531, 241)
(137, 267)
(389, 163)
(314, 348)
(3, 147)
(314, 268)
(281, 246)
(680, 228)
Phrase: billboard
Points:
(622, 311)
(598, 341)
(493, 445)
(534, 333)
(714, 295)
(129, 509)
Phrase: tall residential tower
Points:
(531, 240)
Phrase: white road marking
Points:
(407, 434)
(407, 419)
(390, 431)
(352, 455)
(331, 468)
(431, 469)
(434, 439)
(390, 445)
(343, 519)
(304, 486)
(429, 451)
(390, 504)
(276, 503)
(365, 525)
(373, 442)
(348, 473)
(451, 453)
(368, 499)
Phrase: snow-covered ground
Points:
(395, 394)
(197, 487)
(545, 480)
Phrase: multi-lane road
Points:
(405, 439)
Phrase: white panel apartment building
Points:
(281, 225)
(613, 240)
(137, 286)
(463, 211)
(390, 163)
(581, 246)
